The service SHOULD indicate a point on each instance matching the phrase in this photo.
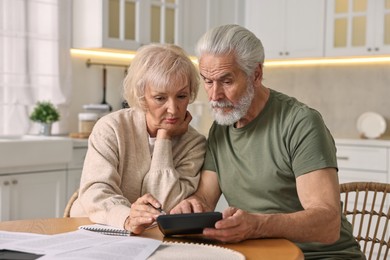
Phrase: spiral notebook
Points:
(106, 230)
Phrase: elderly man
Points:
(271, 156)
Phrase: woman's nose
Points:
(172, 107)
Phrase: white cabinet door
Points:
(287, 28)
(382, 27)
(129, 24)
(357, 27)
(346, 175)
(75, 168)
(32, 195)
(194, 24)
(359, 162)
(111, 24)
(124, 24)
(73, 182)
(266, 19)
(201, 15)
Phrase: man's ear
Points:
(258, 73)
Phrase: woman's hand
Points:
(142, 214)
(182, 128)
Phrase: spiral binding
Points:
(107, 230)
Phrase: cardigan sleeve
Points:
(100, 191)
(119, 168)
(175, 169)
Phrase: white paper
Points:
(9, 237)
(78, 243)
(130, 248)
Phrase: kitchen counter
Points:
(29, 152)
(363, 159)
(79, 143)
(385, 141)
(38, 174)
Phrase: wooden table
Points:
(252, 249)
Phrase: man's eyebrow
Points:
(222, 77)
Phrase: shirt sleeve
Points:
(311, 144)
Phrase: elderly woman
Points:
(146, 157)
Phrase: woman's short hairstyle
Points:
(236, 40)
(159, 65)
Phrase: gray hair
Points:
(161, 66)
(233, 39)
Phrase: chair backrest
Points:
(70, 203)
(366, 206)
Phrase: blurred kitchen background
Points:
(333, 55)
(289, 30)
(326, 34)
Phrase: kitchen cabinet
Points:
(288, 28)
(129, 24)
(366, 161)
(357, 27)
(363, 160)
(41, 189)
(199, 16)
(32, 195)
(124, 24)
(75, 167)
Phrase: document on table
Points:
(8, 237)
(89, 245)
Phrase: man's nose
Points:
(216, 92)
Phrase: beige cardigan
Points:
(119, 168)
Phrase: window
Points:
(35, 61)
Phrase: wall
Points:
(88, 87)
(339, 93)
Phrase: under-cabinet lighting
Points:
(125, 56)
(328, 61)
(108, 54)
(128, 56)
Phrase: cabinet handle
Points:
(287, 53)
(14, 182)
(368, 49)
(6, 183)
(344, 158)
(376, 49)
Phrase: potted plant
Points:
(46, 114)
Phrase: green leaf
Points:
(45, 112)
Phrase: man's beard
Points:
(237, 112)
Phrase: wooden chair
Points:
(366, 206)
(70, 203)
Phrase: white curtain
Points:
(35, 64)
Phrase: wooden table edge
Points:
(247, 247)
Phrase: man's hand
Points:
(237, 225)
(142, 214)
(190, 205)
(204, 199)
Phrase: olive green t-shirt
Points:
(257, 165)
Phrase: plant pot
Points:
(45, 129)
